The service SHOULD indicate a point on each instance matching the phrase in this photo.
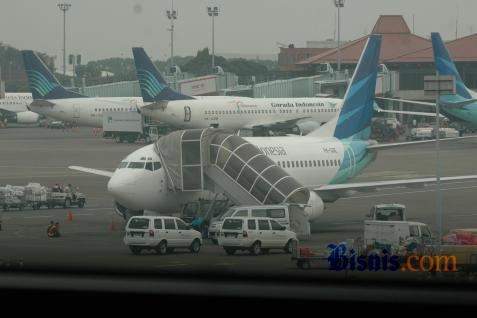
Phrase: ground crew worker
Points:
(57, 229)
(50, 229)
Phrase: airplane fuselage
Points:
(243, 112)
(312, 161)
(86, 111)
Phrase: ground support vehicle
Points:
(161, 234)
(128, 126)
(65, 199)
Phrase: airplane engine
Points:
(316, 206)
(27, 117)
(306, 127)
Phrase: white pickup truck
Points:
(386, 227)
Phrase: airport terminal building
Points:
(402, 51)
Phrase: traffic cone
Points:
(70, 216)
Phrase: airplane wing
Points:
(280, 124)
(448, 105)
(409, 113)
(98, 172)
(380, 110)
(408, 101)
(334, 191)
(411, 143)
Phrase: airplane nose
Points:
(124, 192)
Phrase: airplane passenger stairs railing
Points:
(218, 161)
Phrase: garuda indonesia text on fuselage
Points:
(54, 101)
(229, 112)
(320, 162)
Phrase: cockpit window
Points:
(149, 166)
(157, 165)
(122, 164)
(136, 165)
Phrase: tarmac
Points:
(93, 238)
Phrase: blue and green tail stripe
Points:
(40, 83)
(356, 115)
(445, 66)
(149, 83)
(153, 86)
(43, 84)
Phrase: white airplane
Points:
(14, 109)
(54, 101)
(321, 162)
(229, 112)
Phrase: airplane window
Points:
(327, 163)
(157, 165)
(322, 163)
(336, 163)
(314, 163)
(293, 164)
(122, 164)
(136, 165)
(306, 164)
(301, 164)
(339, 162)
(149, 166)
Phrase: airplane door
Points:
(187, 113)
(76, 111)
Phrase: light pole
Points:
(64, 7)
(213, 12)
(339, 4)
(437, 86)
(172, 15)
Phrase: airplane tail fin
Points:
(354, 120)
(153, 86)
(445, 65)
(43, 84)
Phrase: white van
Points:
(279, 213)
(160, 233)
(254, 234)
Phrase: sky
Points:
(109, 28)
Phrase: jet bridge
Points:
(217, 160)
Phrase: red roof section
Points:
(398, 45)
(391, 24)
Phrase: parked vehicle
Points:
(56, 125)
(161, 234)
(280, 213)
(66, 199)
(254, 234)
(128, 126)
